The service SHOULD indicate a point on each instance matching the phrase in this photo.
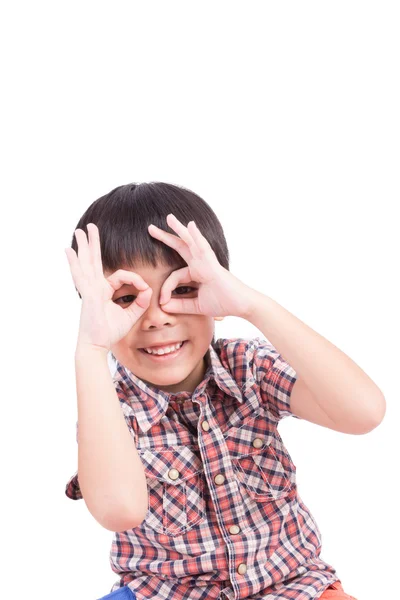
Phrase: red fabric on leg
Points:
(335, 591)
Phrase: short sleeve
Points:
(72, 489)
(275, 377)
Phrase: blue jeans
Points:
(123, 593)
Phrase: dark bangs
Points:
(124, 214)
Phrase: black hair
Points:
(124, 214)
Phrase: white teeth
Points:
(165, 350)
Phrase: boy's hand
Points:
(102, 322)
(220, 293)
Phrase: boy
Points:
(179, 452)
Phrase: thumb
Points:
(188, 306)
(140, 305)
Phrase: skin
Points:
(157, 325)
(167, 305)
(191, 315)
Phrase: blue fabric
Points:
(123, 593)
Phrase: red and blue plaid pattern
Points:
(225, 519)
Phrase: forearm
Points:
(110, 471)
(343, 389)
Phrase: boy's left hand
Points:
(220, 293)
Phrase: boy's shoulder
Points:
(237, 348)
(256, 362)
(243, 356)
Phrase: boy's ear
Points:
(218, 318)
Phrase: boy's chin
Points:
(172, 380)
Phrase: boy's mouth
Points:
(164, 354)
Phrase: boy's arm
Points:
(331, 390)
(111, 474)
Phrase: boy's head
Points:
(122, 217)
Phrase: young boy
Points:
(179, 452)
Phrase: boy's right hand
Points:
(102, 322)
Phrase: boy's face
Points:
(182, 371)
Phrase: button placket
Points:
(219, 479)
(205, 425)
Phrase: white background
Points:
(284, 117)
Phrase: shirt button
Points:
(219, 479)
(205, 425)
(173, 474)
(234, 529)
(257, 443)
(242, 569)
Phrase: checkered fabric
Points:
(225, 519)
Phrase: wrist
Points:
(84, 349)
(254, 300)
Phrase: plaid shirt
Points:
(225, 519)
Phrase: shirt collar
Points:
(149, 404)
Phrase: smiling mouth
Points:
(167, 355)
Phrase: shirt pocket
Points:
(175, 480)
(261, 462)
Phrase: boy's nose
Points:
(156, 316)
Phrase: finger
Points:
(83, 252)
(181, 230)
(171, 240)
(198, 237)
(142, 302)
(120, 277)
(188, 306)
(140, 305)
(95, 249)
(176, 277)
(75, 268)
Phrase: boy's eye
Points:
(185, 289)
(123, 298)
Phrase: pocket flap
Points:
(251, 438)
(171, 465)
